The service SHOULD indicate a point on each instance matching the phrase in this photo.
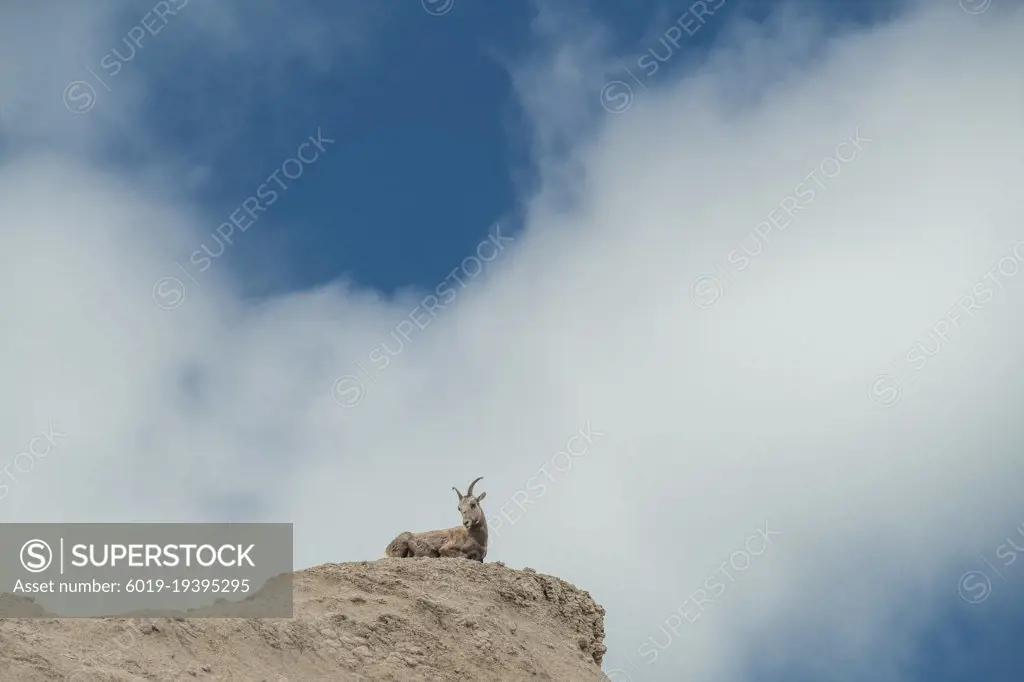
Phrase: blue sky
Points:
(427, 108)
(424, 163)
(444, 127)
(424, 106)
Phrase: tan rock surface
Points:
(391, 619)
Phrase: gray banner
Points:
(146, 570)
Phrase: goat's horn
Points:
(470, 490)
(457, 492)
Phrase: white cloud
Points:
(717, 420)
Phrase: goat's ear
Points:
(480, 497)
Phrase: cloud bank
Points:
(669, 378)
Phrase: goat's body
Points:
(468, 541)
(449, 542)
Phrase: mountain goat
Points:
(468, 541)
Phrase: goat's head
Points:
(469, 506)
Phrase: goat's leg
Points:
(450, 550)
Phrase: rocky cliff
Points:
(391, 619)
